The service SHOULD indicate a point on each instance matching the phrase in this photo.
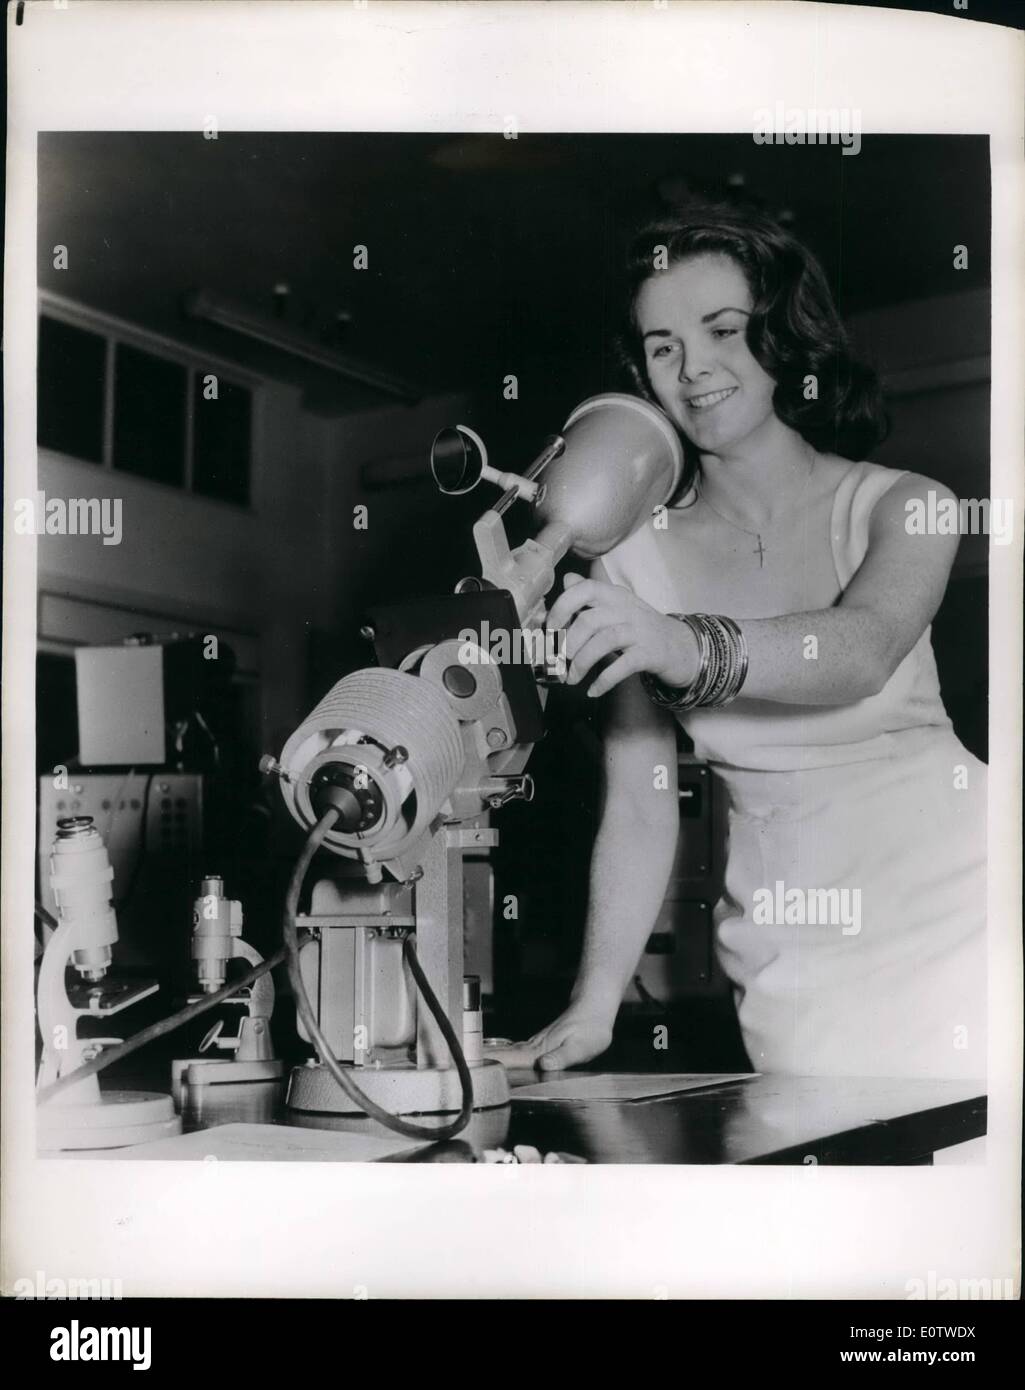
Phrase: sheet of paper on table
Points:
(280, 1143)
(625, 1085)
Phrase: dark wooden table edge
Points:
(912, 1139)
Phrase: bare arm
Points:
(630, 866)
(634, 847)
(880, 616)
(858, 643)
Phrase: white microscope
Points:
(82, 1117)
(216, 940)
(410, 757)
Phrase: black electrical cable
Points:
(305, 1010)
(158, 1030)
(47, 918)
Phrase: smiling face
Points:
(693, 320)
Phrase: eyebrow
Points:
(705, 318)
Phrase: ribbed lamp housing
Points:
(390, 707)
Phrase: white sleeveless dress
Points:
(879, 796)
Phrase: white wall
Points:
(291, 563)
(264, 570)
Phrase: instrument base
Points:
(191, 1073)
(401, 1090)
(119, 1119)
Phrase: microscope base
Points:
(399, 1090)
(119, 1119)
(193, 1072)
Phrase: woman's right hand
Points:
(582, 1032)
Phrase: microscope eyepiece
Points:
(68, 827)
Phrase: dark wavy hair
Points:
(794, 329)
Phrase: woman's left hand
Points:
(601, 619)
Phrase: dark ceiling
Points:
(486, 256)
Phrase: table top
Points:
(765, 1119)
(758, 1120)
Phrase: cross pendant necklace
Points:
(759, 549)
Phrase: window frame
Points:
(115, 331)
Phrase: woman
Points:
(809, 684)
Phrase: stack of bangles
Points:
(721, 670)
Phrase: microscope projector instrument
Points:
(396, 771)
(399, 767)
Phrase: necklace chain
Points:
(759, 549)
